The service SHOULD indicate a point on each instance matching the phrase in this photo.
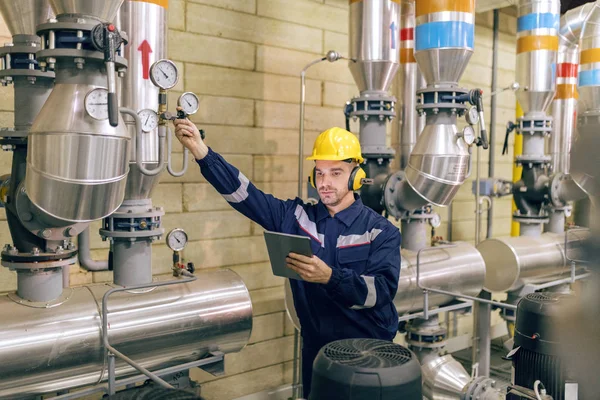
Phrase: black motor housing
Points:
(365, 369)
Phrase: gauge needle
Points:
(178, 241)
(187, 101)
(147, 120)
(164, 73)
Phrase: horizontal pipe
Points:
(85, 258)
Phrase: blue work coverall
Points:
(361, 247)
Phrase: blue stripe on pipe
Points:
(433, 35)
(589, 78)
(538, 20)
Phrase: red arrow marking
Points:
(146, 50)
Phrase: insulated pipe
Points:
(493, 106)
(85, 258)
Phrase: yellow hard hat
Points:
(336, 144)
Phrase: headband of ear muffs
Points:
(354, 182)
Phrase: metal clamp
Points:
(112, 352)
(426, 290)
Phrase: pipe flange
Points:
(430, 100)
(47, 54)
(378, 153)
(530, 219)
(535, 124)
(533, 159)
(13, 259)
(376, 105)
(66, 294)
(477, 386)
(426, 334)
(154, 234)
(389, 187)
(10, 48)
(555, 189)
(33, 73)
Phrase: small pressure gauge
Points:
(472, 116)
(468, 135)
(177, 239)
(163, 74)
(96, 104)
(189, 102)
(149, 120)
(435, 220)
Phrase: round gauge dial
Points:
(177, 239)
(189, 102)
(163, 74)
(435, 220)
(149, 120)
(96, 104)
(468, 135)
(472, 116)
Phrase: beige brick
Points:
(96, 241)
(305, 13)
(7, 119)
(291, 62)
(176, 12)
(266, 301)
(505, 41)
(267, 327)
(337, 3)
(335, 41)
(224, 111)
(80, 278)
(281, 115)
(242, 162)
(202, 197)
(5, 162)
(253, 85)
(247, 6)
(235, 386)
(225, 252)
(168, 196)
(188, 47)
(251, 28)
(209, 225)
(337, 94)
(506, 23)
(289, 327)
(278, 168)
(257, 276)
(7, 98)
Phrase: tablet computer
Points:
(279, 245)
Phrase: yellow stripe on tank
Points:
(424, 7)
(533, 43)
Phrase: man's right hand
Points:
(189, 136)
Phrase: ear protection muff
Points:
(354, 182)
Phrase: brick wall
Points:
(243, 57)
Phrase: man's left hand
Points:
(311, 269)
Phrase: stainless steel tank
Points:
(409, 81)
(21, 17)
(146, 25)
(537, 47)
(458, 269)
(374, 45)
(589, 67)
(50, 349)
(104, 10)
(444, 35)
(512, 262)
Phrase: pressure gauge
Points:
(435, 220)
(163, 74)
(149, 120)
(468, 135)
(177, 239)
(189, 102)
(96, 104)
(472, 116)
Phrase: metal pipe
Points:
(85, 258)
(477, 196)
(162, 130)
(493, 107)
(138, 138)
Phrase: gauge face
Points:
(472, 116)
(189, 102)
(163, 74)
(177, 239)
(96, 104)
(468, 135)
(435, 220)
(149, 120)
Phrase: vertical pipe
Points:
(492, 162)
(482, 341)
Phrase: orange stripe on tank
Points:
(589, 56)
(407, 55)
(393, 1)
(424, 7)
(162, 3)
(566, 91)
(533, 43)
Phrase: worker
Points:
(350, 282)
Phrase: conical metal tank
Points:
(104, 10)
(537, 47)
(23, 16)
(444, 39)
(374, 43)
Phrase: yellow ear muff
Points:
(312, 178)
(356, 177)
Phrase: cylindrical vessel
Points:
(104, 10)
(589, 64)
(512, 262)
(459, 269)
(409, 81)
(146, 25)
(444, 378)
(50, 349)
(21, 17)
(537, 47)
(374, 44)
(564, 105)
(444, 39)
(76, 165)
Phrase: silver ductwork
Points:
(512, 262)
(459, 269)
(77, 164)
(21, 17)
(48, 348)
(146, 26)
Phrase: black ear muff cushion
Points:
(356, 177)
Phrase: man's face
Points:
(332, 180)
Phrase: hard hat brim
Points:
(334, 158)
